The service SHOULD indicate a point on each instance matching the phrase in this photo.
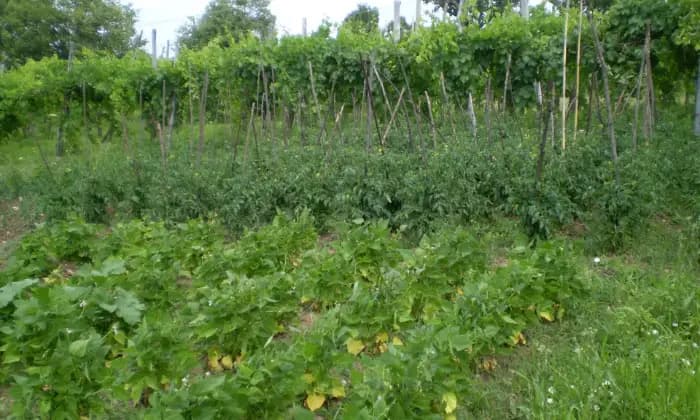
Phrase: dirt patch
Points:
(575, 229)
(12, 224)
(307, 318)
(325, 241)
(500, 261)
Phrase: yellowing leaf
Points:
(450, 417)
(489, 364)
(382, 337)
(214, 364)
(338, 391)
(547, 316)
(518, 338)
(450, 400)
(308, 378)
(315, 401)
(460, 291)
(355, 347)
(227, 362)
(305, 299)
(383, 347)
(396, 341)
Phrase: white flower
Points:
(654, 332)
(607, 383)
(83, 303)
(686, 362)
(550, 400)
(596, 260)
(550, 390)
(675, 325)
(695, 345)
(69, 331)
(210, 303)
(207, 373)
(15, 208)
(692, 372)
(596, 407)
(185, 380)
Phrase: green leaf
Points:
(128, 307)
(78, 348)
(10, 291)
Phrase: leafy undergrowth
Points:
(629, 350)
(147, 321)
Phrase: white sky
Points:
(166, 16)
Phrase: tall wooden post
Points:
(397, 21)
(154, 51)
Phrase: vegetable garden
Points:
(350, 227)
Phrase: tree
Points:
(364, 19)
(42, 28)
(229, 18)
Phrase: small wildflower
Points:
(695, 345)
(675, 325)
(185, 380)
(686, 362)
(69, 331)
(596, 260)
(692, 372)
(207, 373)
(596, 407)
(654, 332)
(15, 208)
(607, 383)
(210, 303)
(550, 400)
(550, 390)
(83, 303)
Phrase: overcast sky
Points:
(168, 15)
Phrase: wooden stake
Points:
(578, 69)
(487, 108)
(563, 84)
(505, 83)
(638, 91)
(608, 102)
(433, 131)
(316, 104)
(202, 117)
(247, 134)
(393, 115)
(446, 107)
(472, 115)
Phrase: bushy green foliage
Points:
(183, 324)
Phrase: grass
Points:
(629, 350)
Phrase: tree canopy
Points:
(229, 18)
(33, 29)
(363, 19)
